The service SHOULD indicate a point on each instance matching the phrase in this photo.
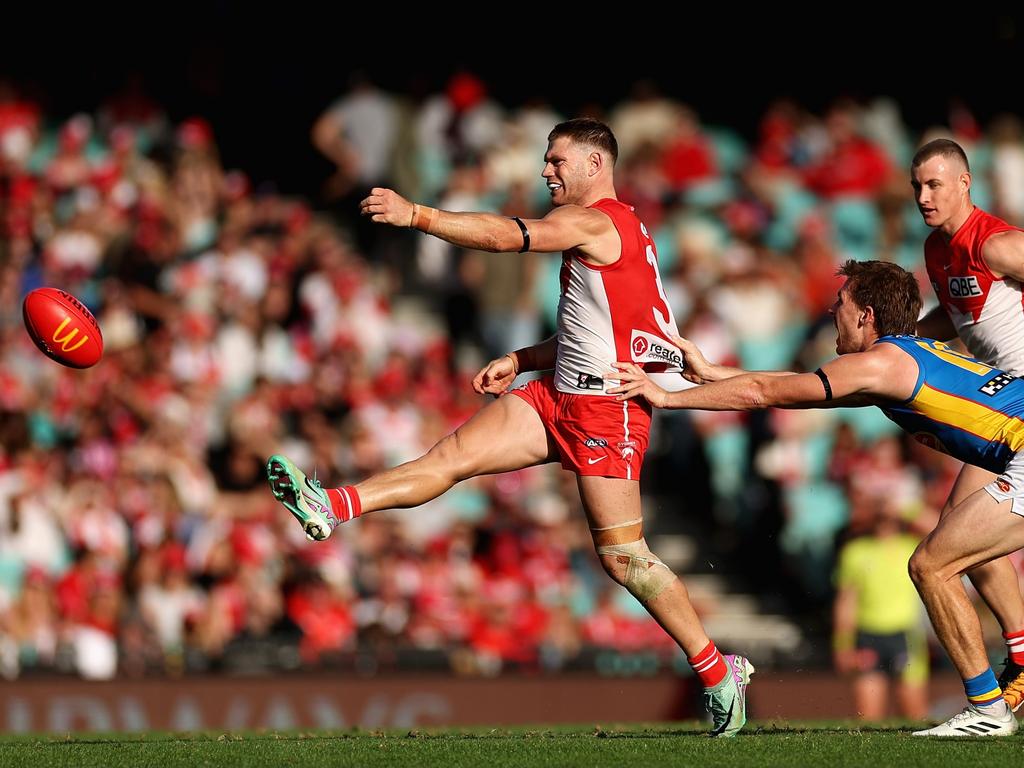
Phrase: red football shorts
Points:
(596, 434)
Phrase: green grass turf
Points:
(760, 744)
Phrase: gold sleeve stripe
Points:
(951, 357)
(969, 416)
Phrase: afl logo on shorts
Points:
(640, 346)
(1003, 484)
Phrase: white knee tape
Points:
(646, 575)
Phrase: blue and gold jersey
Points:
(960, 406)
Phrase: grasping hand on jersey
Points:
(636, 383)
(696, 367)
(699, 370)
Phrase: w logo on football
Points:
(67, 338)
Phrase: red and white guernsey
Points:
(987, 311)
(613, 312)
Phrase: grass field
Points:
(760, 744)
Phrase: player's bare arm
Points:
(745, 392)
(1004, 254)
(564, 228)
(699, 370)
(881, 373)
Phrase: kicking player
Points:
(612, 306)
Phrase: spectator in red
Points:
(852, 165)
(324, 617)
(688, 157)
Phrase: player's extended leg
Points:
(995, 581)
(998, 586)
(976, 531)
(505, 435)
(613, 509)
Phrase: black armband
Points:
(526, 234)
(824, 382)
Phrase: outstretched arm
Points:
(565, 227)
(743, 392)
(697, 369)
(883, 372)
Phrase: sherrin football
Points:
(62, 327)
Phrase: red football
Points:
(62, 328)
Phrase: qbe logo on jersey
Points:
(647, 348)
(964, 287)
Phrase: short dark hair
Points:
(587, 130)
(945, 147)
(887, 288)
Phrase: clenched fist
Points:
(495, 377)
(385, 206)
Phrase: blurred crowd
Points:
(137, 534)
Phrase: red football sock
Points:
(345, 502)
(1015, 646)
(709, 666)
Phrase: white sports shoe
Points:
(727, 701)
(974, 722)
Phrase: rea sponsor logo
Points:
(964, 287)
(595, 442)
(668, 354)
(650, 349)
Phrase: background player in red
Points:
(612, 307)
(975, 262)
